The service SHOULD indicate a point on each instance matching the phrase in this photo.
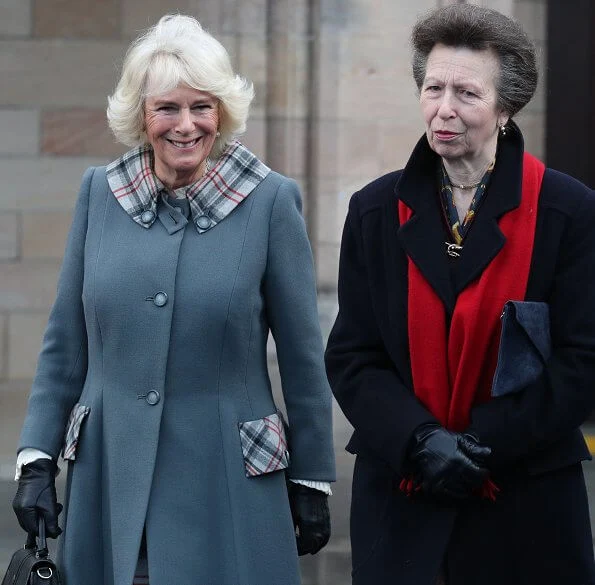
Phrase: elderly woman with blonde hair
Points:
(152, 381)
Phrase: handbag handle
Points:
(32, 541)
(42, 547)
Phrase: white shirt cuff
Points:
(27, 456)
(322, 486)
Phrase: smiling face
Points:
(181, 126)
(459, 104)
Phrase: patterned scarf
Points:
(459, 230)
(231, 179)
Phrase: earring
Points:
(218, 134)
(503, 130)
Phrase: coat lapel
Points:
(485, 239)
(423, 236)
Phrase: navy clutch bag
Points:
(525, 346)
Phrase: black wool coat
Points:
(537, 531)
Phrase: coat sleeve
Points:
(292, 311)
(62, 363)
(524, 423)
(363, 378)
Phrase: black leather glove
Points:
(447, 464)
(36, 494)
(311, 517)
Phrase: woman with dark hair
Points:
(451, 483)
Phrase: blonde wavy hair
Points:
(177, 50)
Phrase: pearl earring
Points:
(503, 129)
(218, 134)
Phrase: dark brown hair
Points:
(477, 28)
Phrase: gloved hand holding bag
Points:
(36, 495)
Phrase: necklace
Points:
(464, 187)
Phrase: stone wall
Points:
(371, 117)
(335, 107)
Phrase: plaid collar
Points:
(212, 198)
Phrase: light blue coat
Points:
(168, 384)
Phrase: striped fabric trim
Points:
(233, 176)
(73, 428)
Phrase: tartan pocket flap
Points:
(73, 428)
(264, 445)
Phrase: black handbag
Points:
(32, 565)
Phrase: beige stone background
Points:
(335, 107)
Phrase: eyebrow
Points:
(461, 84)
(201, 101)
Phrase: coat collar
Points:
(423, 237)
(212, 198)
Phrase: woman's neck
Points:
(461, 172)
(173, 179)
(470, 170)
(465, 176)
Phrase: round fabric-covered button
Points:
(147, 216)
(203, 222)
(153, 397)
(160, 299)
